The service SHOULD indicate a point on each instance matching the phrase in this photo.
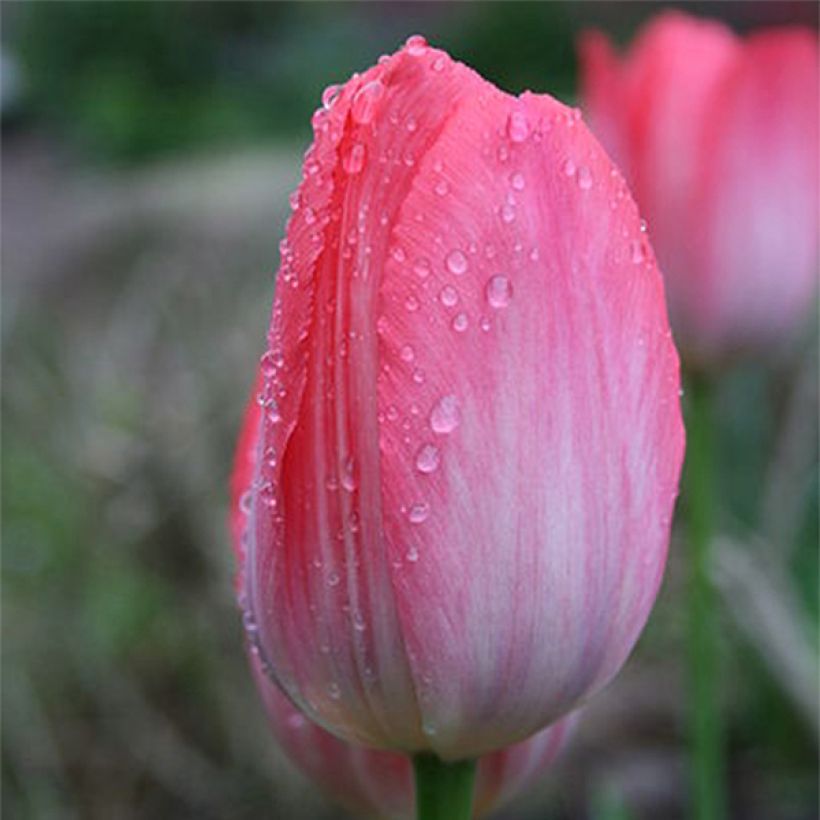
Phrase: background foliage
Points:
(148, 152)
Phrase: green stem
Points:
(444, 791)
(708, 799)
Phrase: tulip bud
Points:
(460, 470)
(718, 137)
(375, 783)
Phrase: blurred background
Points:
(148, 150)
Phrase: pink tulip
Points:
(461, 469)
(374, 783)
(718, 137)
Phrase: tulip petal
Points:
(758, 196)
(322, 597)
(531, 447)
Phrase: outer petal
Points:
(757, 201)
(370, 782)
(319, 587)
(531, 448)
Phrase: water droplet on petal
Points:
(411, 303)
(499, 291)
(518, 129)
(507, 213)
(397, 252)
(446, 415)
(569, 167)
(416, 45)
(407, 353)
(366, 102)
(448, 296)
(438, 64)
(584, 178)
(517, 181)
(334, 691)
(442, 188)
(421, 267)
(428, 458)
(246, 502)
(329, 95)
(460, 322)
(412, 555)
(353, 161)
(297, 721)
(418, 514)
(456, 262)
(637, 253)
(349, 475)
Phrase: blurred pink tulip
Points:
(374, 783)
(460, 473)
(718, 137)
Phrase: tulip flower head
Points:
(718, 137)
(459, 470)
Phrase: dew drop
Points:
(446, 415)
(518, 129)
(456, 262)
(421, 267)
(418, 514)
(569, 167)
(438, 64)
(412, 555)
(334, 691)
(428, 458)
(507, 213)
(268, 363)
(330, 95)
(411, 125)
(397, 252)
(246, 502)
(485, 324)
(411, 303)
(584, 178)
(416, 45)
(353, 161)
(460, 322)
(297, 721)
(407, 353)
(366, 102)
(643, 226)
(517, 181)
(333, 579)
(349, 475)
(499, 291)
(448, 296)
(636, 250)
(442, 188)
